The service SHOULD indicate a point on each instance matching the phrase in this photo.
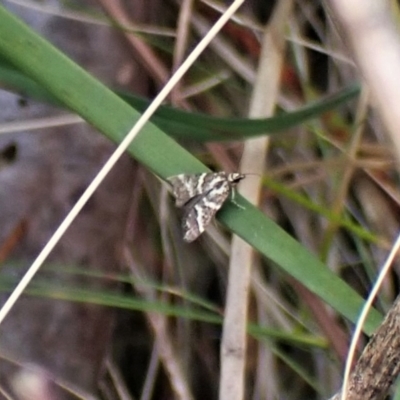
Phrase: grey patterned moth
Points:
(201, 196)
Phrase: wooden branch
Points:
(379, 364)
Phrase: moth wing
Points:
(192, 227)
(184, 188)
(200, 210)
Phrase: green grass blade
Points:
(196, 126)
(195, 309)
(275, 244)
(304, 201)
(98, 105)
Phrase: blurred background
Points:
(110, 315)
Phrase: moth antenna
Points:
(251, 173)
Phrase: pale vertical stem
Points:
(233, 351)
(370, 29)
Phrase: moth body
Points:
(201, 196)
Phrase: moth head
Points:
(235, 177)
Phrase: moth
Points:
(201, 196)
